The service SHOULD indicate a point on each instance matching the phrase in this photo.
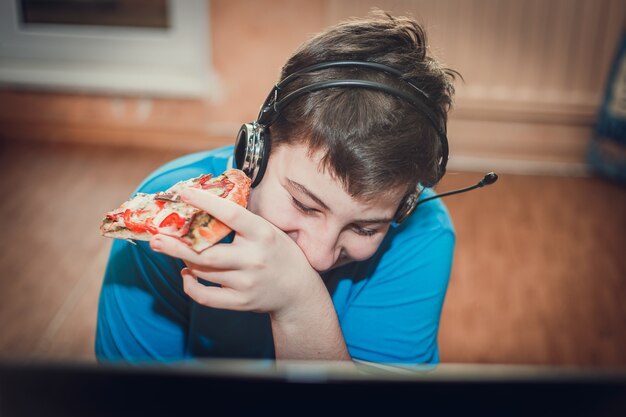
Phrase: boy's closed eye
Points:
(302, 207)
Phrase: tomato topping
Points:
(173, 219)
(160, 204)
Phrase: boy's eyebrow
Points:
(372, 221)
(315, 198)
(306, 191)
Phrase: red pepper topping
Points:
(204, 179)
(173, 219)
(131, 225)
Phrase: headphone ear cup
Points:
(264, 145)
(407, 207)
(252, 151)
(241, 145)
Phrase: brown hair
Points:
(371, 141)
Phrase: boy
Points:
(328, 261)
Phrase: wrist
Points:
(309, 329)
(309, 301)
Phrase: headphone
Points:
(253, 144)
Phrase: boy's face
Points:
(328, 225)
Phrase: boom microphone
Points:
(489, 179)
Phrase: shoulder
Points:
(417, 254)
(214, 162)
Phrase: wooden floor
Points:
(539, 274)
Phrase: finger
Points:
(228, 212)
(221, 257)
(201, 267)
(173, 247)
(216, 297)
(227, 279)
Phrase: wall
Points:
(534, 75)
(247, 55)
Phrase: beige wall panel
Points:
(538, 64)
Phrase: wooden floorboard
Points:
(54, 257)
(539, 274)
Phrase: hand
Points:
(262, 270)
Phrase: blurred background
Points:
(95, 94)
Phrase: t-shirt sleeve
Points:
(143, 312)
(394, 310)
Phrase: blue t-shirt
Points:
(388, 306)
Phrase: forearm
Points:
(310, 330)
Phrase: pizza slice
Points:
(164, 212)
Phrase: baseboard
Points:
(519, 147)
(182, 140)
(528, 148)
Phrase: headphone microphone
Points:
(489, 179)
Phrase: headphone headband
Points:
(278, 106)
(271, 108)
(348, 63)
(253, 142)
